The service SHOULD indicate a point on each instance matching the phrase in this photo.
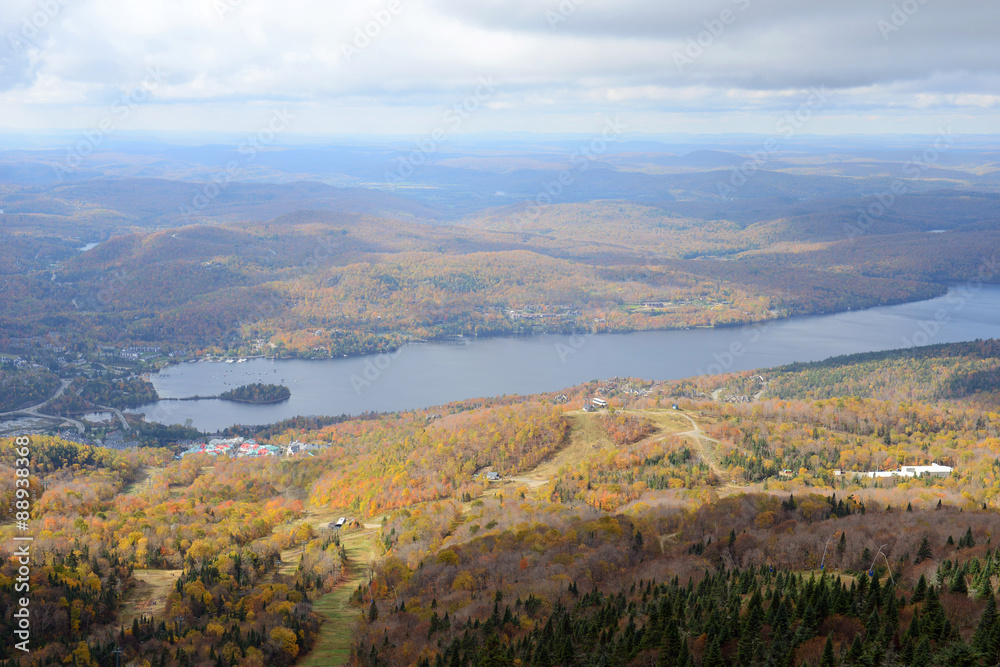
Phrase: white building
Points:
(933, 470)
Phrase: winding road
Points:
(34, 410)
(117, 413)
(699, 437)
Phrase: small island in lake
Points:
(258, 393)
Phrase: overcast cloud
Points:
(720, 65)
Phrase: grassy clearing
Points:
(668, 421)
(150, 594)
(586, 437)
(290, 557)
(141, 480)
(333, 646)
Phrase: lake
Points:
(424, 375)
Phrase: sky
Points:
(413, 67)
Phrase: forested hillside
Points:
(736, 528)
(327, 284)
(279, 266)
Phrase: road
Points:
(117, 413)
(578, 449)
(699, 437)
(62, 388)
(34, 410)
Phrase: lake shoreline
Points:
(221, 398)
(461, 339)
(429, 374)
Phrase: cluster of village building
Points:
(245, 448)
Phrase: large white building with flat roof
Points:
(933, 470)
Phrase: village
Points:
(243, 448)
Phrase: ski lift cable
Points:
(825, 548)
(888, 568)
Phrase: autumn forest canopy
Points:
(300, 268)
(738, 528)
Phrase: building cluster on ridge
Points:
(240, 448)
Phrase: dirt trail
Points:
(585, 439)
(699, 437)
(290, 557)
(152, 587)
(333, 646)
(319, 520)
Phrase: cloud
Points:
(558, 58)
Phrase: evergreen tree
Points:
(713, 656)
(987, 623)
(958, 584)
(829, 659)
(684, 657)
(871, 626)
(567, 655)
(958, 654)
(856, 650)
(920, 591)
(492, 653)
(924, 551)
(967, 540)
(671, 645)
(907, 654)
